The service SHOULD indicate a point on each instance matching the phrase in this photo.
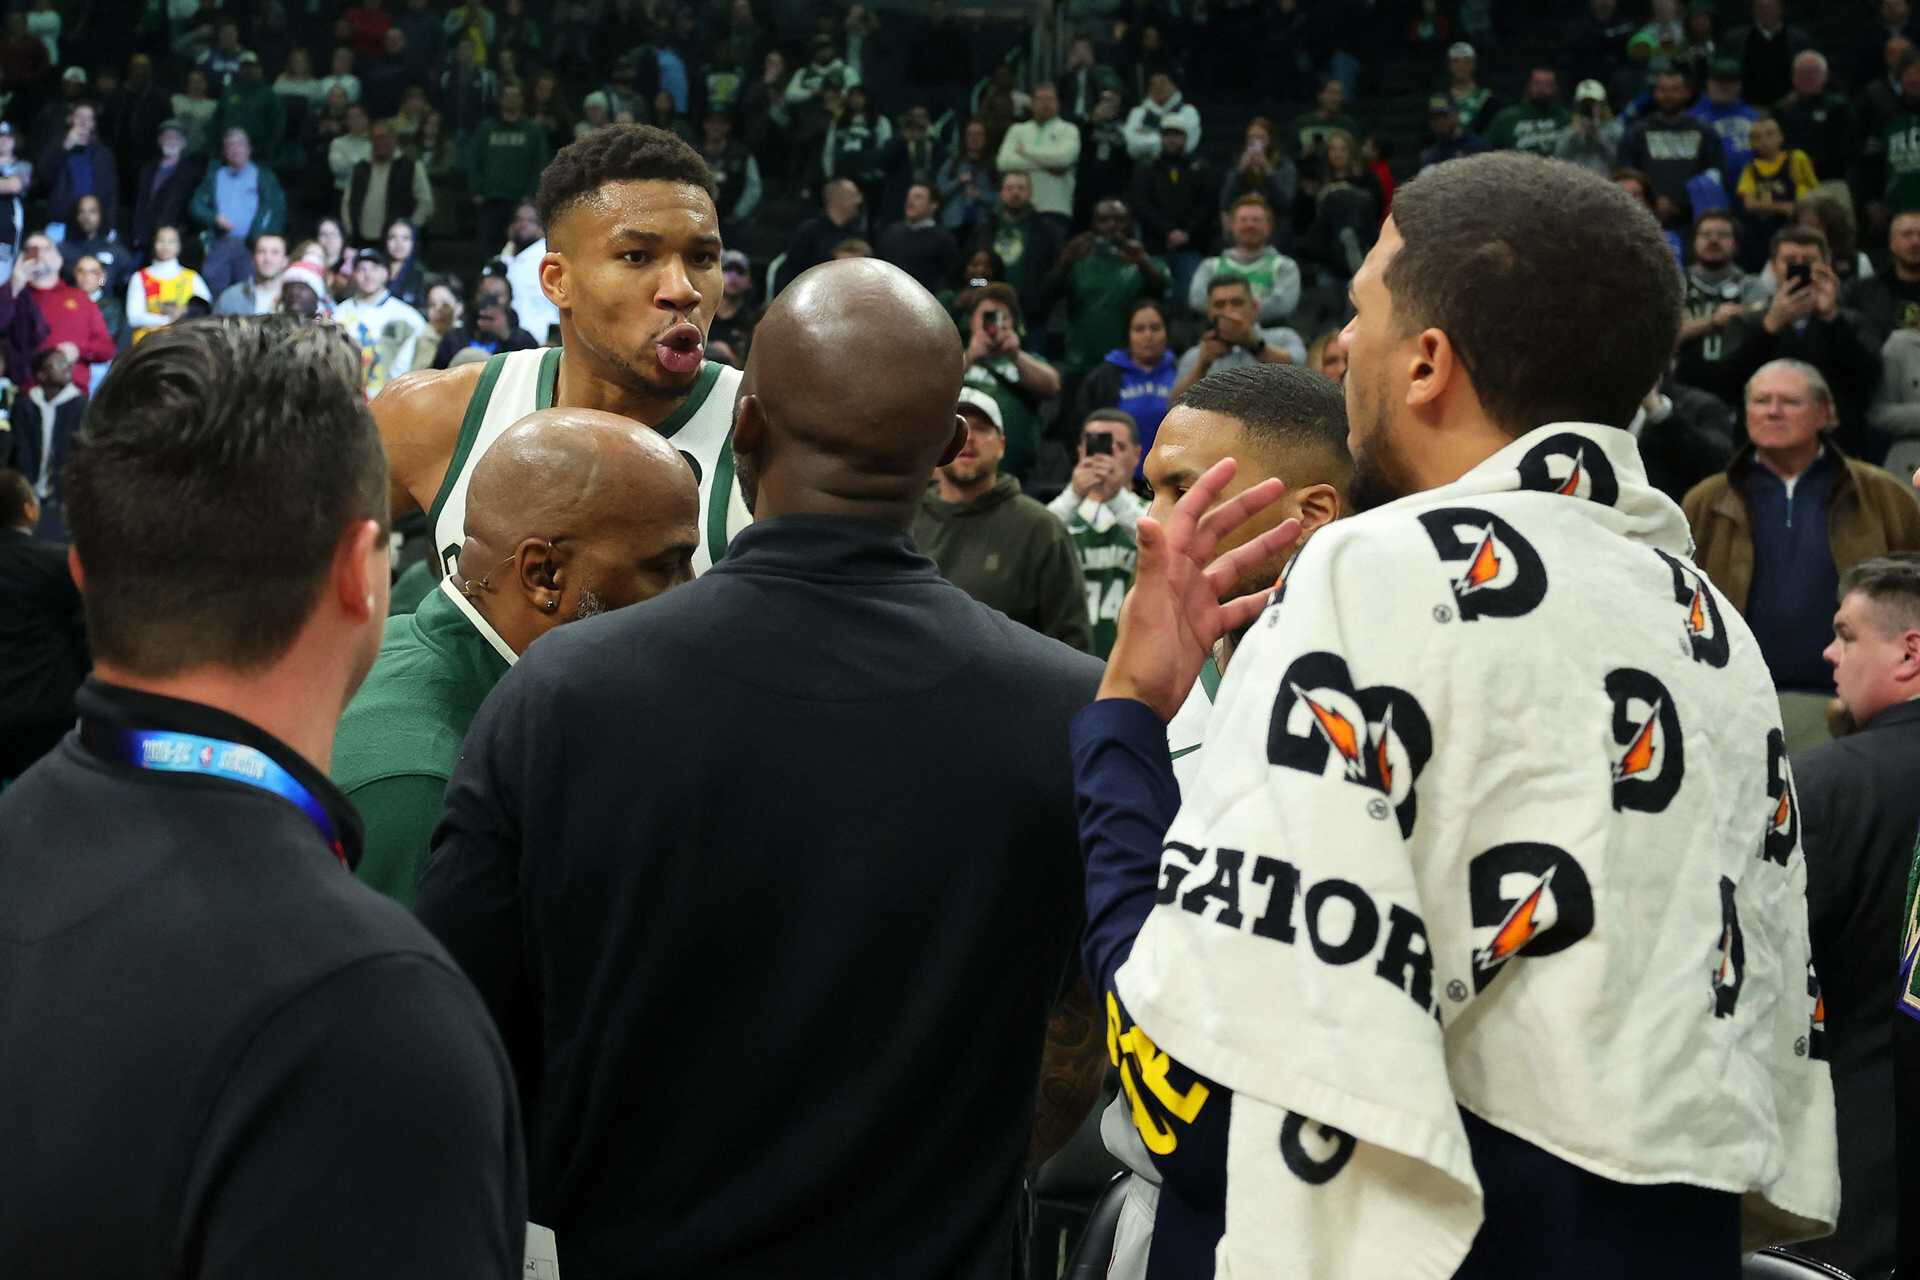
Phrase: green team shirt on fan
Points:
(1529, 126)
(1107, 556)
(517, 383)
(1903, 162)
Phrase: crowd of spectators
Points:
(1113, 199)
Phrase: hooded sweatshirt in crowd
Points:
(1009, 553)
(1121, 382)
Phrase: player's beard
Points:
(748, 477)
(1380, 473)
(587, 606)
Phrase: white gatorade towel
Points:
(1495, 814)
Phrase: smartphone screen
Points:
(1799, 274)
(1098, 442)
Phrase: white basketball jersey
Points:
(517, 383)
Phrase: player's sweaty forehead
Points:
(676, 214)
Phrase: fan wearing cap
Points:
(731, 334)
(1450, 141)
(248, 102)
(1473, 100)
(1592, 139)
(386, 330)
(1730, 117)
(1536, 122)
(995, 543)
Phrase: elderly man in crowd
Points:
(1791, 514)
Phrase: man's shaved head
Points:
(847, 403)
(573, 512)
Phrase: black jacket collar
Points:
(104, 706)
(1895, 716)
(828, 548)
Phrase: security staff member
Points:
(223, 1055)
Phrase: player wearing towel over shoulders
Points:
(1479, 946)
(633, 264)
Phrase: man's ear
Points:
(749, 424)
(354, 568)
(1315, 505)
(1431, 369)
(1907, 671)
(553, 280)
(539, 570)
(955, 445)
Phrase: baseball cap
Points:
(495, 268)
(76, 74)
(249, 55)
(732, 259)
(372, 253)
(975, 398)
(1460, 49)
(1590, 91)
(1723, 69)
(171, 126)
(6, 127)
(1441, 105)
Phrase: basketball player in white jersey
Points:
(633, 265)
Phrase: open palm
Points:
(1173, 616)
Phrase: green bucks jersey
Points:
(515, 384)
(1107, 553)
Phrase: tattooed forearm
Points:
(1071, 1067)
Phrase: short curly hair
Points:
(617, 153)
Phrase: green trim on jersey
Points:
(696, 396)
(548, 380)
(1210, 679)
(469, 429)
(720, 501)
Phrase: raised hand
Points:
(1173, 616)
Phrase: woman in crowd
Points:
(1262, 170)
(443, 310)
(1344, 222)
(856, 133)
(1833, 218)
(1328, 354)
(764, 118)
(667, 116)
(408, 278)
(1138, 377)
(87, 234)
(298, 80)
(159, 292)
(194, 108)
(331, 238)
(340, 76)
(91, 279)
(548, 106)
(966, 181)
(982, 267)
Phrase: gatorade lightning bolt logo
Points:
(1376, 737)
(1817, 1024)
(1493, 571)
(1730, 956)
(1651, 759)
(1783, 810)
(1532, 899)
(1572, 466)
(1700, 625)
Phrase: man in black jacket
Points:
(279, 1070)
(840, 218)
(1174, 199)
(787, 857)
(1859, 810)
(43, 643)
(165, 189)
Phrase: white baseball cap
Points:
(989, 408)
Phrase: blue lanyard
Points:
(169, 752)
